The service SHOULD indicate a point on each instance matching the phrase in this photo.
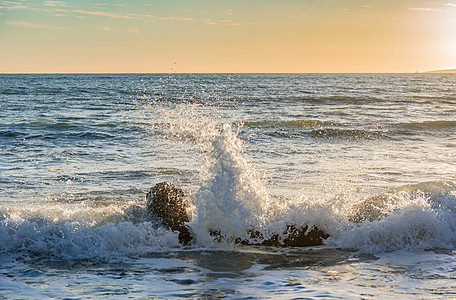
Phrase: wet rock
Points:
(292, 237)
(302, 236)
(168, 203)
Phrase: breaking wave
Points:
(231, 196)
(70, 232)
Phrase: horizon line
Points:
(50, 73)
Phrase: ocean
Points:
(368, 158)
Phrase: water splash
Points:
(232, 198)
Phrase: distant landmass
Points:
(442, 71)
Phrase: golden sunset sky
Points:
(184, 36)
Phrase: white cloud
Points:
(12, 5)
(156, 19)
(104, 14)
(210, 22)
(32, 25)
(107, 28)
(54, 3)
(174, 18)
(224, 22)
(424, 9)
(133, 30)
(130, 30)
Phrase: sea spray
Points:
(231, 197)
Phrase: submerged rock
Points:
(169, 204)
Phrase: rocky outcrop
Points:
(296, 237)
(292, 236)
(169, 204)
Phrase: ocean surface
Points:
(368, 158)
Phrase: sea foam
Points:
(232, 198)
(80, 232)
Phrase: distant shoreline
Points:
(442, 71)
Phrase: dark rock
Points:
(302, 237)
(169, 203)
(292, 237)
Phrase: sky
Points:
(227, 36)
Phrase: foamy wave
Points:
(81, 232)
(413, 217)
(232, 198)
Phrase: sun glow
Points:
(290, 36)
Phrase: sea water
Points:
(368, 158)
